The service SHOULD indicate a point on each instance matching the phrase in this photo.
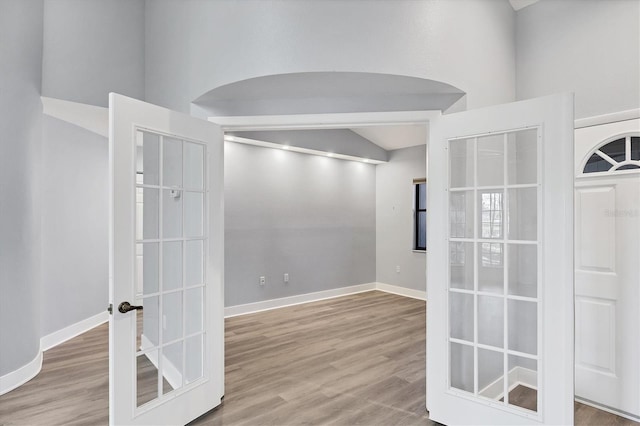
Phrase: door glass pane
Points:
(635, 148)
(172, 265)
(491, 160)
(148, 157)
(461, 265)
(172, 367)
(422, 196)
(193, 165)
(461, 316)
(490, 373)
(461, 214)
(461, 163)
(172, 162)
(172, 213)
(522, 388)
(148, 267)
(172, 316)
(491, 321)
(597, 164)
(523, 326)
(523, 270)
(193, 214)
(194, 358)
(522, 156)
(422, 229)
(490, 214)
(523, 214)
(147, 321)
(193, 313)
(194, 274)
(491, 267)
(616, 149)
(147, 213)
(461, 366)
(146, 377)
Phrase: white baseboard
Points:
(402, 291)
(22, 375)
(517, 376)
(60, 336)
(169, 370)
(266, 305)
(28, 371)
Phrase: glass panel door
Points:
(493, 286)
(171, 280)
(166, 264)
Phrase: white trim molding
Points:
(299, 299)
(267, 305)
(54, 339)
(614, 117)
(323, 121)
(22, 375)
(402, 291)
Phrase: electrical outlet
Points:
(262, 280)
(286, 278)
(398, 269)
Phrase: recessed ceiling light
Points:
(285, 146)
(330, 154)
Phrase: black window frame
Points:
(416, 214)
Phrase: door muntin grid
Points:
(171, 241)
(494, 278)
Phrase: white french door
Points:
(607, 192)
(166, 331)
(500, 283)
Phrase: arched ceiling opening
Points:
(328, 92)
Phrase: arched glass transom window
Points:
(623, 153)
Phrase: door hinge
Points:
(110, 308)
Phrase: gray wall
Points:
(195, 46)
(339, 141)
(93, 47)
(394, 219)
(74, 224)
(309, 216)
(590, 47)
(20, 151)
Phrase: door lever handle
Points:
(125, 307)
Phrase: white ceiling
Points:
(394, 137)
(519, 4)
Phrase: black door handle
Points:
(125, 307)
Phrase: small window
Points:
(620, 154)
(420, 214)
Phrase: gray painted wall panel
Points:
(312, 217)
(20, 151)
(590, 47)
(394, 219)
(93, 47)
(74, 224)
(195, 46)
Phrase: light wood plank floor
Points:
(353, 360)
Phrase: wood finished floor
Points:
(353, 360)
